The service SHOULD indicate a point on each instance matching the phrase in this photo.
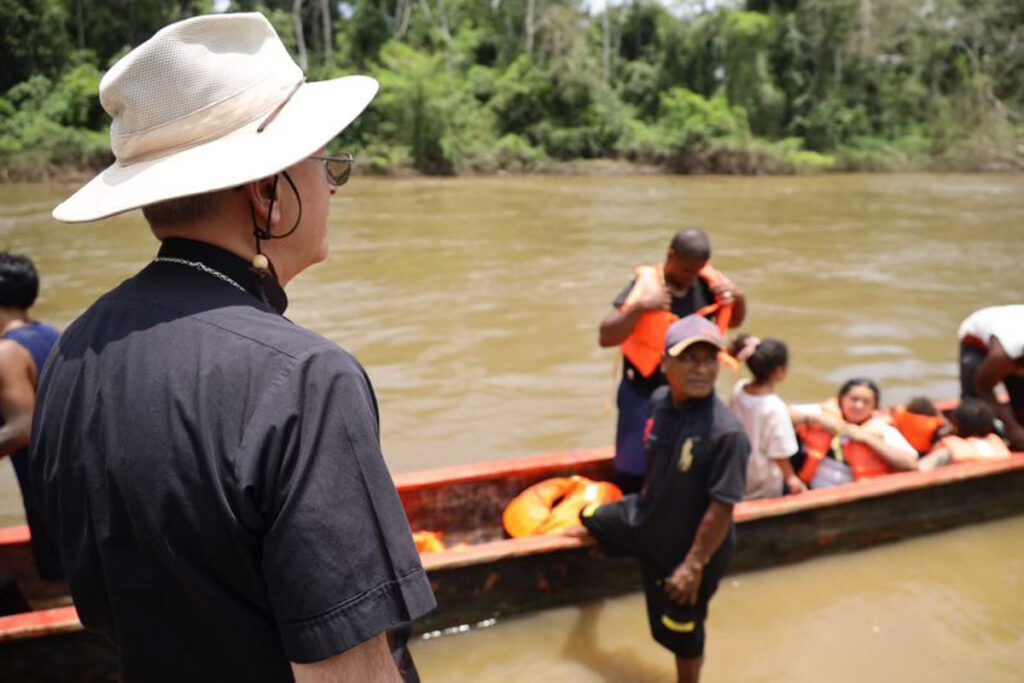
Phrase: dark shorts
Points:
(971, 358)
(678, 628)
(634, 407)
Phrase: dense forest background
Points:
(762, 86)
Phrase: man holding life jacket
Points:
(657, 296)
(992, 353)
(680, 526)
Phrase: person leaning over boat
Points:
(657, 296)
(680, 526)
(992, 353)
(848, 439)
(765, 417)
(25, 345)
(212, 470)
(974, 438)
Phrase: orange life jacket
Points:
(428, 541)
(645, 346)
(863, 460)
(989, 447)
(918, 430)
(555, 504)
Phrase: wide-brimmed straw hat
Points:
(206, 104)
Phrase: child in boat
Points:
(920, 423)
(765, 418)
(975, 437)
(849, 440)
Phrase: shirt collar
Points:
(265, 288)
(694, 406)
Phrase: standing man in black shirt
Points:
(657, 296)
(211, 471)
(680, 526)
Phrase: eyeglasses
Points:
(337, 168)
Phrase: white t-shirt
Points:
(770, 431)
(1005, 323)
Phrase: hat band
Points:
(209, 123)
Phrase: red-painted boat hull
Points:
(493, 577)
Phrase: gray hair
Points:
(181, 210)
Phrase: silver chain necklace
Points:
(199, 266)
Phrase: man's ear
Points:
(264, 197)
(664, 365)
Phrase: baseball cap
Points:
(691, 330)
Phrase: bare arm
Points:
(739, 301)
(370, 662)
(17, 396)
(940, 457)
(795, 483)
(899, 458)
(739, 311)
(682, 587)
(992, 371)
(618, 324)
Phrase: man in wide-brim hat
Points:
(212, 471)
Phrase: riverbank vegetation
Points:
(762, 86)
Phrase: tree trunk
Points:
(528, 26)
(403, 13)
(325, 15)
(607, 45)
(81, 24)
(867, 21)
(445, 27)
(300, 38)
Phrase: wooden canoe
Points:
(487, 576)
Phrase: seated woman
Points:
(849, 440)
(975, 437)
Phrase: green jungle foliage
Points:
(763, 86)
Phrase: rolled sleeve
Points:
(338, 558)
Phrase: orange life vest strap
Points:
(645, 346)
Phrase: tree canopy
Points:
(482, 85)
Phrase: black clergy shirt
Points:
(212, 474)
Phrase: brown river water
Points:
(474, 305)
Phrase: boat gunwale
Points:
(65, 619)
(38, 623)
(745, 512)
(484, 471)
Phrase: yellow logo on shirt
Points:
(686, 455)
